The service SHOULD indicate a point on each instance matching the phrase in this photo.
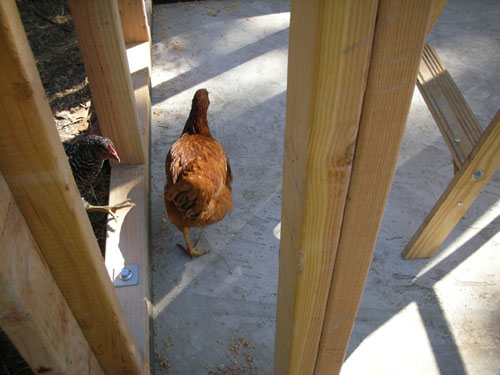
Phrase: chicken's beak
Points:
(113, 154)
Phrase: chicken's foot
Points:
(109, 209)
(190, 250)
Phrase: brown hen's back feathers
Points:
(198, 186)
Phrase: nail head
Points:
(478, 174)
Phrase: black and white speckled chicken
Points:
(86, 155)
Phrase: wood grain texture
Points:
(437, 8)
(399, 38)
(329, 53)
(35, 167)
(127, 243)
(139, 59)
(134, 21)
(451, 112)
(45, 333)
(128, 238)
(102, 46)
(463, 188)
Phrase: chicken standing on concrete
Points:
(86, 155)
(198, 187)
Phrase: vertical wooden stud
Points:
(98, 27)
(329, 55)
(399, 39)
(35, 167)
(134, 21)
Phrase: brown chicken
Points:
(198, 187)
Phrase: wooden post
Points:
(102, 45)
(329, 54)
(463, 189)
(399, 39)
(127, 243)
(436, 12)
(139, 61)
(35, 167)
(45, 333)
(134, 21)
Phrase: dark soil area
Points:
(50, 33)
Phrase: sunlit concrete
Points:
(217, 313)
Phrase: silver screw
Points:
(457, 140)
(461, 203)
(478, 174)
(125, 274)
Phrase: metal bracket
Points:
(127, 276)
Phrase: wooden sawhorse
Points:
(476, 154)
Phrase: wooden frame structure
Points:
(475, 154)
(352, 72)
(351, 75)
(57, 302)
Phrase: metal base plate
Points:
(134, 280)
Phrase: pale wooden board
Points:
(139, 58)
(451, 112)
(127, 243)
(329, 55)
(436, 12)
(102, 46)
(399, 38)
(134, 21)
(45, 333)
(128, 238)
(462, 189)
(148, 4)
(35, 167)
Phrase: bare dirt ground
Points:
(50, 32)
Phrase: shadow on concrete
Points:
(219, 65)
(418, 286)
(260, 191)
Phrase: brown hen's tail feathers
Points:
(191, 195)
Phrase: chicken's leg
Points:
(108, 209)
(189, 250)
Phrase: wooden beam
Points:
(437, 9)
(127, 244)
(399, 38)
(35, 167)
(463, 189)
(454, 118)
(134, 21)
(127, 240)
(102, 46)
(329, 54)
(139, 59)
(45, 334)
(148, 4)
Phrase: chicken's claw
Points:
(192, 251)
(111, 210)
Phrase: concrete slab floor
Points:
(216, 314)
